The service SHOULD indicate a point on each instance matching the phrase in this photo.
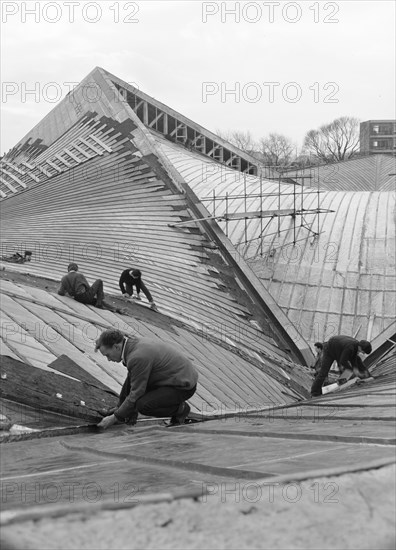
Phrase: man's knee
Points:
(144, 406)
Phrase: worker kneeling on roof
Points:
(131, 278)
(159, 381)
(76, 285)
(346, 351)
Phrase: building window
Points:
(385, 130)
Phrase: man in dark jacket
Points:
(77, 286)
(133, 277)
(160, 378)
(345, 350)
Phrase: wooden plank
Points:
(124, 323)
(84, 336)
(13, 288)
(90, 146)
(224, 385)
(43, 297)
(13, 167)
(30, 417)
(5, 350)
(24, 345)
(7, 184)
(84, 311)
(65, 365)
(101, 143)
(44, 171)
(14, 178)
(66, 344)
(260, 388)
(53, 165)
(53, 391)
(63, 160)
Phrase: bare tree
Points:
(333, 142)
(242, 140)
(277, 150)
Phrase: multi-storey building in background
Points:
(378, 136)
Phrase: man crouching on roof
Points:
(159, 381)
(76, 285)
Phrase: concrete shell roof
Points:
(111, 194)
(342, 281)
(105, 198)
(371, 173)
(38, 326)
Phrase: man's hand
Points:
(107, 421)
(108, 411)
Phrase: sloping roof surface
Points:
(340, 282)
(113, 211)
(97, 191)
(345, 432)
(102, 196)
(38, 327)
(371, 173)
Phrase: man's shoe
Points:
(181, 415)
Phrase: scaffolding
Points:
(297, 212)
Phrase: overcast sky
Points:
(283, 67)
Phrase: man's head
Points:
(110, 344)
(318, 346)
(135, 273)
(72, 267)
(365, 347)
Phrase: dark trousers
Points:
(325, 364)
(163, 401)
(94, 296)
(139, 286)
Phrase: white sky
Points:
(344, 51)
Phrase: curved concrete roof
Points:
(103, 196)
(339, 281)
(372, 173)
(342, 281)
(97, 185)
